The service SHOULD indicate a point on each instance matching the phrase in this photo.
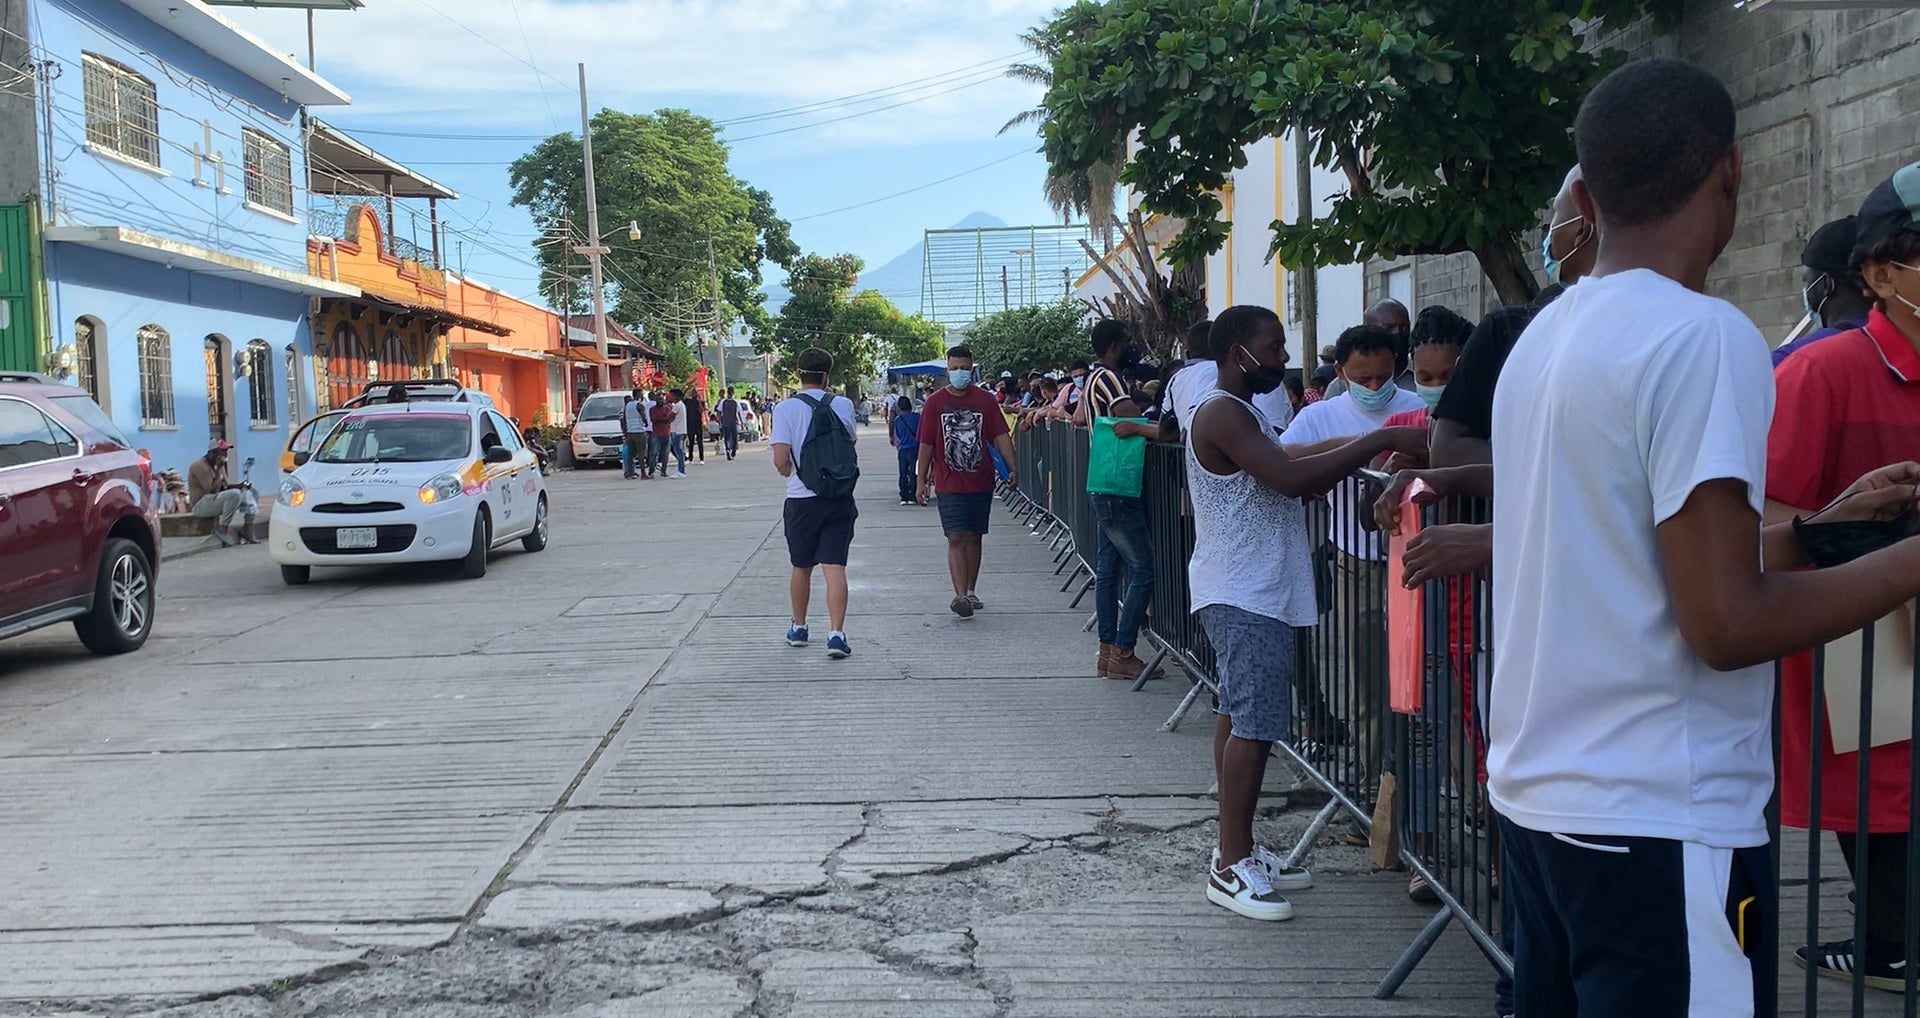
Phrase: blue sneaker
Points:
(796, 636)
(837, 646)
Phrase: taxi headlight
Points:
(580, 436)
(440, 489)
(292, 493)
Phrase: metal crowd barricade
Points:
(1347, 741)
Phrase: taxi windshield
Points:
(398, 438)
(604, 407)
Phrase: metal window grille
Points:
(156, 375)
(122, 110)
(85, 354)
(293, 384)
(269, 166)
(260, 402)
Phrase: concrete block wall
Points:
(1829, 105)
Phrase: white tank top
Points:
(1250, 542)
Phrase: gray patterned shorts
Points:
(1255, 658)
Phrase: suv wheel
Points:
(474, 565)
(122, 614)
(536, 539)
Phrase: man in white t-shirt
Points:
(1630, 717)
(819, 528)
(1189, 384)
(1367, 357)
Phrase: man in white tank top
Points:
(1251, 585)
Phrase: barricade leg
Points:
(1304, 847)
(1146, 674)
(1186, 704)
(1415, 953)
(1072, 576)
(1084, 588)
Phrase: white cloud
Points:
(403, 58)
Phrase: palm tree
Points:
(1088, 192)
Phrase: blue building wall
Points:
(119, 295)
(204, 105)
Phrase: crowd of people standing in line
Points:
(659, 422)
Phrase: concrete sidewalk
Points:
(597, 783)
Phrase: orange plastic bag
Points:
(1406, 653)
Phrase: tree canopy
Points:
(1039, 337)
(667, 173)
(1450, 119)
(856, 328)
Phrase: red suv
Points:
(79, 539)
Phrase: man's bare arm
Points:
(1282, 469)
(1455, 446)
(783, 459)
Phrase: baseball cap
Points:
(1830, 249)
(1325, 373)
(1889, 208)
(219, 445)
(1006, 374)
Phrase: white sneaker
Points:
(1244, 888)
(681, 476)
(1279, 874)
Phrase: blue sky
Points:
(505, 68)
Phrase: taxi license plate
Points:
(357, 537)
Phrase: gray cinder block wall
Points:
(1829, 106)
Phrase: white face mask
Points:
(1911, 306)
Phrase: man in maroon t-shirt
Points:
(957, 425)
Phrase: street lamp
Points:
(1026, 271)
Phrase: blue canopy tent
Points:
(904, 371)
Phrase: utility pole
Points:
(1308, 281)
(594, 249)
(1006, 301)
(713, 319)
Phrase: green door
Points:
(17, 351)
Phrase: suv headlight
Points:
(440, 489)
(580, 436)
(292, 493)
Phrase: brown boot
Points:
(1124, 664)
(1106, 656)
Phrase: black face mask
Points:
(1262, 378)
(1130, 356)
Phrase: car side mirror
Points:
(499, 454)
(300, 458)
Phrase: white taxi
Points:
(409, 482)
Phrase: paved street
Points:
(596, 783)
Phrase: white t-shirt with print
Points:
(1341, 417)
(791, 418)
(1621, 398)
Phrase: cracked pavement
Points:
(596, 784)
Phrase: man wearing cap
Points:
(1851, 402)
(211, 495)
(1828, 290)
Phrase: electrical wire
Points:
(910, 190)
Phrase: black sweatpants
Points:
(1621, 927)
(697, 439)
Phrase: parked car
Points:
(749, 425)
(79, 538)
(598, 432)
(309, 435)
(409, 482)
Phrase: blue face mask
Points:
(1431, 394)
(1374, 400)
(960, 378)
(1548, 263)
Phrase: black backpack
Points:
(828, 466)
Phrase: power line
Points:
(509, 53)
(866, 113)
(910, 190)
(998, 63)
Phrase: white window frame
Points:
(262, 402)
(268, 188)
(122, 111)
(154, 346)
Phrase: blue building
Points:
(168, 180)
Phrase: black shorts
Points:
(819, 530)
(965, 511)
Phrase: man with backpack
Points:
(813, 437)
(729, 414)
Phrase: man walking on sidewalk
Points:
(957, 426)
(813, 438)
(903, 433)
(729, 413)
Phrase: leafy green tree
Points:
(857, 329)
(1041, 337)
(1449, 118)
(667, 173)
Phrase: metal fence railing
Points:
(1423, 771)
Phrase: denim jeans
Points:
(679, 443)
(1120, 538)
(909, 469)
(657, 454)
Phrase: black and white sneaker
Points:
(1836, 960)
(1244, 888)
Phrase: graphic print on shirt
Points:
(965, 448)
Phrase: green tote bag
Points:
(1114, 464)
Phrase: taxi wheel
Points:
(474, 565)
(536, 539)
(296, 576)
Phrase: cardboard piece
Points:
(1406, 616)
(1892, 684)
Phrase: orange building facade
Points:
(521, 369)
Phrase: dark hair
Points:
(1439, 326)
(1649, 135)
(1050, 383)
(1200, 341)
(960, 351)
(1238, 324)
(1296, 387)
(676, 393)
(1362, 339)
(1107, 333)
(904, 404)
(813, 361)
(1898, 246)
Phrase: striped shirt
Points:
(1104, 389)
